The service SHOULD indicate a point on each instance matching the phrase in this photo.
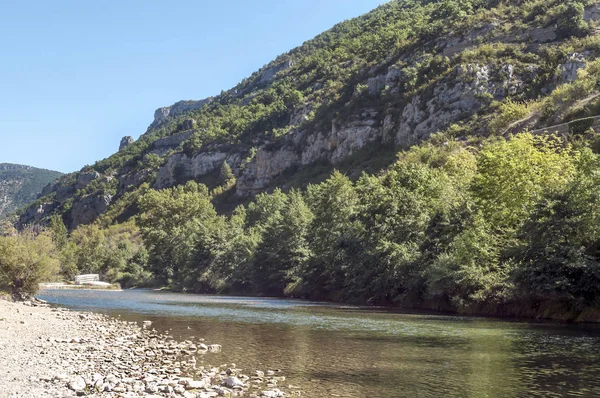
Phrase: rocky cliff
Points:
(20, 185)
(389, 79)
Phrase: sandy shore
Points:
(53, 352)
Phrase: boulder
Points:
(232, 382)
(77, 384)
(85, 178)
(125, 142)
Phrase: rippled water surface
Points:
(332, 350)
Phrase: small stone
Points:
(77, 384)
(214, 347)
(232, 382)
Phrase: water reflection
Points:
(353, 352)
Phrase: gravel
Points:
(54, 352)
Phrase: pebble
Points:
(102, 356)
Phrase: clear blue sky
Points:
(77, 75)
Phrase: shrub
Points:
(510, 112)
(25, 261)
(580, 126)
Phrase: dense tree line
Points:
(497, 224)
(460, 226)
(456, 223)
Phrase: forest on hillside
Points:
(477, 218)
(500, 226)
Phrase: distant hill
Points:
(20, 185)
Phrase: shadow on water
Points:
(347, 351)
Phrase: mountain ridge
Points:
(372, 85)
(20, 185)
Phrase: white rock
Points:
(77, 384)
(232, 382)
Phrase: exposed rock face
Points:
(458, 95)
(265, 166)
(89, 208)
(180, 167)
(177, 108)
(343, 140)
(268, 74)
(165, 144)
(64, 192)
(125, 142)
(567, 72)
(543, 35)
(83, 179)
(592, 13)
(134, 179)
(455, 44)
(35, 214)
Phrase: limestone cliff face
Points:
(161, 114)
(465, 91)
(391, 100)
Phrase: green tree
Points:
(26, 260)
(512, 175)
(570, 20)
(90, 253)
(169, 222)
(284, 248)
(334, 204)
(226, 174)
(560, 254)
(59, 231)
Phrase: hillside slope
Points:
(349, 99)
(20, 185)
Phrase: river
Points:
(344, 351)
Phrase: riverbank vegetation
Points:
(26, 259)
(475, 218)
(500, 226)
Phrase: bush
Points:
(25, 261)
(580, 126)
(570, 20)
(510, 112)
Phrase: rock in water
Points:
(214, 347)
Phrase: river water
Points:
(344, 351)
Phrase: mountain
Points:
(350, 99)
(20, 185)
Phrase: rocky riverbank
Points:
(54, 352)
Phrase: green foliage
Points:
(172, 222)
(570, 19)
(513, 175)
(560, 250)
(153, 161)
(22, 184)
(510, 112)
(581, 126)
(26, 259)
(284, 250)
